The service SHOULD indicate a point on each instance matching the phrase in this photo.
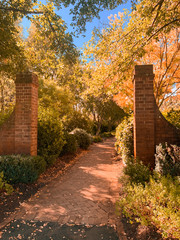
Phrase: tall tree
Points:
(165, 55)
(7, 91)
(48, 46)
(126, 42)
(11, 46)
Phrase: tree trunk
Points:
(99, 126)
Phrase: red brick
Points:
(150, 127)
(19, 133)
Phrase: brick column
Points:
(26, 113)
(18, 135)
(144, 114)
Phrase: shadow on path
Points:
(81, 200)
(51, 230)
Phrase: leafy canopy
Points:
(149, 34)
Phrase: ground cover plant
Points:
(4, 186)
(156, 203)
(153, 198)
(137, 172)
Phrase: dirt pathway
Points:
(78, 205)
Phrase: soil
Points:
(135, 231)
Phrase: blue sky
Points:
(79, 42)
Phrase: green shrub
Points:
(50, 137)
(167, 159)
(71, 144)
(106, 134)
(124, 135)
(137, 172)
(21, 169)
(157, 203)
(97, 139)
(78, 120)
(173, 117)
(39, 164)
(83, 138)
(4, 115)
(4, 186)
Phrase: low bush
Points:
(50, 137)
(167, 159)
(137, 172)
(97, 139)
(106, 134)
(4, 186)
(21, 169)
(157, 203)
(71, 144)
(83, 138)
(124, 139)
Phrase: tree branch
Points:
(53, 30)
(160, 3)
(167, 24)
(20, 10)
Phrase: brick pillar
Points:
(144, 114)
(26, 113)
(18, 135)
